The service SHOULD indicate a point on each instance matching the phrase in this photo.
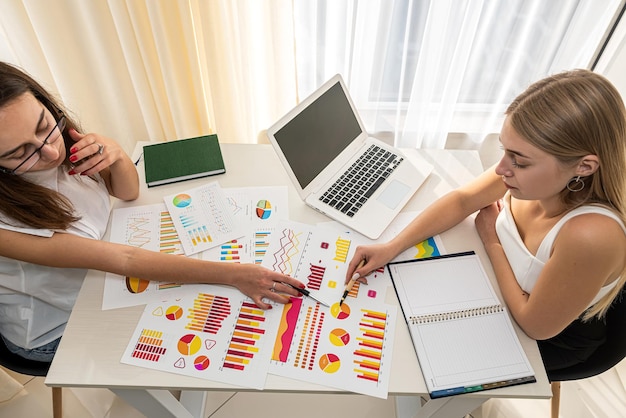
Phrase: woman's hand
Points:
(259, 282)
(374, 256)
(92, 153)
(486, 223)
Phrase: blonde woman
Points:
(551, 214)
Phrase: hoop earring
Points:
(577, 184)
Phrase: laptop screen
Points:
(320, 132)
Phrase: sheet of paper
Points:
(149, 227)
(463, 337)
(210, 332)
(203, 217)
(347, 347)
(257, 210)
(490, 351)
(432, 286)
(428, 248)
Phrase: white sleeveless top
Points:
(526, 266)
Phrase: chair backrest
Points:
(608, 354)
(21, 365)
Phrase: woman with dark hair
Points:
(55, 188)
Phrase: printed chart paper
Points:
(347, 347)
(214, 333)
(149, 227)
(430, 247)
(203, 218)
(259, 209)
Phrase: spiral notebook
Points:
(462, 334)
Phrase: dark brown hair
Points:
(21, 200)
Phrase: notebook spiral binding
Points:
(446, 316)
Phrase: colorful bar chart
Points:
(315, 277)
(244, 343)
(169, 242)
(199, 235)
(261, 243)
(342, 247)
(309, 339)
(149, 346)
(369, 354)
(231, 251)
(208, 313)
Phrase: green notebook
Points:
(184, 159)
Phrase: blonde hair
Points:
(570, 115)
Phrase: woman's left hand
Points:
(486, 223)
(92, 153)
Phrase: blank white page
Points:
(442, 285)
(460, 349)
(469, 351)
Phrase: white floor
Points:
(603, 396)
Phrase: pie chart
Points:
(174, 312)
(181, 200)
(340, 312)
(339, 337)
(263, 209)
(329, 363)
(189, 344)
(136, 285)
(201, 363)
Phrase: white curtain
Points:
(419, 69)
(145, 70)
(139, 70)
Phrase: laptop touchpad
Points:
(393, 194)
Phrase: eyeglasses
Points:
(35, 156)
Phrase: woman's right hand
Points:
(260, 283)
(374, 256)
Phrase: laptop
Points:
(337, 168)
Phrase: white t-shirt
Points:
(35, 300)
(526, 266)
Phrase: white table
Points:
(94, 340)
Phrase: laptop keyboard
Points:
(360, 181)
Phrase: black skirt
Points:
(574, 345)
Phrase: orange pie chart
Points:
(136, 285)
(340, 312)
(201, 362)
(174, 312)
(339, 337)
(329, 363)
(189, 344)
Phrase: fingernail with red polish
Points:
(73, 158)
(73, 150)
(71, 172)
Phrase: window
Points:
(421, 69)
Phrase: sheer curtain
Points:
(139, 70)
(419, 70)
(143, 70)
